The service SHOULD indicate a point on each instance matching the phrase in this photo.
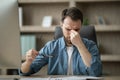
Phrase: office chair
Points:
(85, 32)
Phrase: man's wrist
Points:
(27, 62)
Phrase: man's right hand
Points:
(31, 55)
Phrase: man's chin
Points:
(69, 43)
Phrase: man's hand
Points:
(31, 55)
(85, 54)
(75, 38)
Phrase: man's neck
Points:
(69, 45)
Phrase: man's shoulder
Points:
(91, 46)
(55, 42)
(88, 42)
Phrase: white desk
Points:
(11, 77)
(61, 78)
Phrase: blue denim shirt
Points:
(54, 53)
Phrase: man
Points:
(68, 55)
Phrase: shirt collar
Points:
(63, 43)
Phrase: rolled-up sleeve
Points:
(25, 74)
(96, 66)
(40, 61)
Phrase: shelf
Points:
(111, 77)
(107, 28)
(33, 29)
(95, 0)
(54, 1)
(99, 28)
(41, 1)
(110, 58)
(9, 77)
(4, 70)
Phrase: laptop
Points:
(10, 55)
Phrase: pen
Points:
(50, 56)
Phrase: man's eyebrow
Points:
(67, 25)
(77, 29)
(67, 28)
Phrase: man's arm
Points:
(85, 54)
(30, 56)
(90, 58)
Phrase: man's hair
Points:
(73, 12)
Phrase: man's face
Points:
(68, 25)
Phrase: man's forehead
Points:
(71, 27)
(69, 23)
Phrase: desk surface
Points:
(61, 77)
(44, 77)
(9, 76)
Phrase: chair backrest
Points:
(85, 32)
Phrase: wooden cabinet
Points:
(108, 34)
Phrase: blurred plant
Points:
(85, 21)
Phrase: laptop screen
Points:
(10, 55)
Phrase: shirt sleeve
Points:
(40, 61)
(96, 66)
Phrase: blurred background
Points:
(102, 14)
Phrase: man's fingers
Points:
(30, 59)
(34, 51)
(73, 31)
(72, 35)
(31, 54)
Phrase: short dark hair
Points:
(74, 13)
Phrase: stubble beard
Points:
(68, 41)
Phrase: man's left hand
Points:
(75, 38)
